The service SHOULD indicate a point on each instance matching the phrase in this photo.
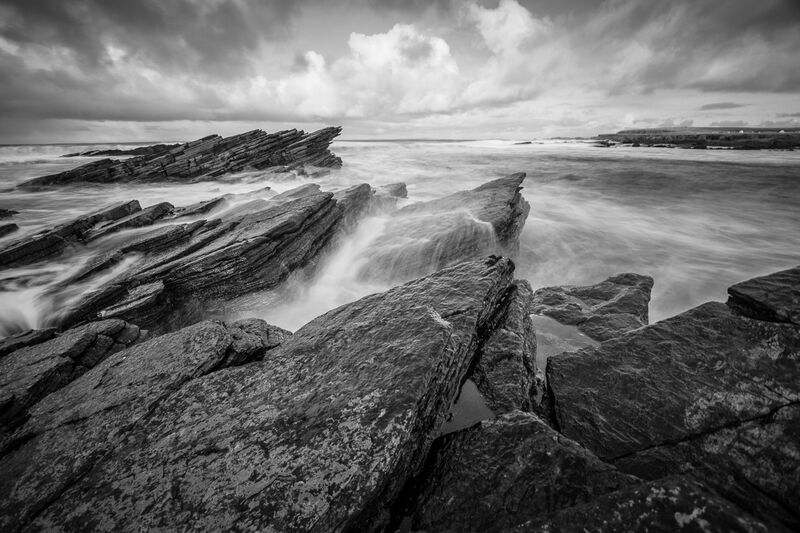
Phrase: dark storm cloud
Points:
(721, 105)
(210, 37)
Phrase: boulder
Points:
(6, 213)
(208, 158)
(775, 297)
(34, 370)
(320, 435)
(670, 395)
(602, 311)
(424, 237)
(7, 229)
(25, 338)
(72, 429)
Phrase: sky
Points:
(171, 70)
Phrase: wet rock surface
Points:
(208, 158)
(8, 229)
(775, 297)
(320, 435)
(424, 237)
(602, 311)
(72, 429)
(38, 364)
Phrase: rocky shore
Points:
(431, 406)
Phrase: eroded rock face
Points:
(208, 158)
(602, 311)
(775, 297)
(319, 436)
(72, 428)
(35, 369)
(670, 395)
(424, 237)
(507, 472)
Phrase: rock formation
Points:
(424, 237)
(208, 158)
(602, 311)
(775, 297)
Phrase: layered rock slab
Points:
(208, 158)
(601, 311)
(424, 237)
(775, 297)
(672, 394)
(320, 436)
(71, 429)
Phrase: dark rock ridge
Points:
(71, 429)
(602, 311)
(424, 237)
(320, 435)
(153, 149)
(709, 394)
(209, 158)
(775, 297)
(8, 229)
(6, 213)
(34, 369)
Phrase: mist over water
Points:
(697, 221)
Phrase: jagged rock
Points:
(200, 208)
(73, 428)
(139, 150)
(53, 241)
(506, 472)
(775, 297)
(677, 389)
(424, 237)
(8, 229)
(319, 436)
(506, 370)
(26, 338)
(602, 311)
(664, 505)
(144, 217)
(6, 213)
(31, 372)
(209, 158)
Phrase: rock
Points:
(672, 393)
(664, 505)
(208, 158)
(6, 213)
(27, 338)
(319, 436)
(8, 229)
(31, 372)
(507, 472)
(200, 208)
(139, 150)
(602, 311)
(52, 242)
(144, 217)
(396, 190)
(506, 369)
(424, 237)
(775, 297)
(73, 428)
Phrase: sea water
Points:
(696, 220)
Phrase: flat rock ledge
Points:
(603, 311)
(208, 158)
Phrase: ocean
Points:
(696, 220)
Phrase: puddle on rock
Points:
(468, 409)
(553, 337)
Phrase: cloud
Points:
(788, 115)
(720, 105)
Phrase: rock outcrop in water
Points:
(602, 311)
(424, 237)
(208, 158)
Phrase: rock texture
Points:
(707, 392)
(424, 237)
(775, 297)
(74, 428)
(54, 241)
(139, 150)
(602, 311)
(318, 436)
(6, 213)
(35, 369)
(208, 158)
